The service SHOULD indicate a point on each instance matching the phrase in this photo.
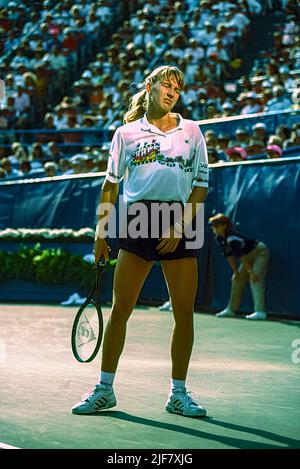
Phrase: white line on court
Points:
(5, 446)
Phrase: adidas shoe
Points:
(100, 398)
(167, 306)
(260, 315)
(226, 313)
(73, 299)
(180, 402)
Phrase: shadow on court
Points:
(233, 442)
(245, 373)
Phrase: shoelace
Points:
(90, 392)
(188, 400)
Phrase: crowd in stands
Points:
(253, 143)
(70, 68)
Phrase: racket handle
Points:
(101, 262)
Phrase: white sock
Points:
(107, 378)
(177, 383)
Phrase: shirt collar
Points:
(147, 127)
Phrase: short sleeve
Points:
(235, 244)
(225, 248)
(201, 172)
(116, 162)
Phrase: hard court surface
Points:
(245, 373)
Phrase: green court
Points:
(245, 373)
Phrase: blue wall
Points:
(263, 197)
(264, 200)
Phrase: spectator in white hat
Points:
(259, 131)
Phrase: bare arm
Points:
(246, 264)
(191, 208)
(233, 263)
(196, 198)
(248, 267)
(106, 205)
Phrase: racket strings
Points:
(87, 331)
(87, 328)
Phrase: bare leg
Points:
(182, 278)
(237, 289)
(260, 267)
(130, 275)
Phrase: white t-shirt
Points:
(156, 165)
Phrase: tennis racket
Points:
(87, 330)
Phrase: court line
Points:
(5, 446)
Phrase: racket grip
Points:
(101, 262)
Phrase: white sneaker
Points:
(260, 315)
(167, 306)
(90, 258)
(180, 402)
(100, 398)
(225, 313)
(73, 299)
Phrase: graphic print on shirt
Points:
(150, 152)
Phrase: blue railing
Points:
(99, 135)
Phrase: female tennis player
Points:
(249, 260)
(162, 158)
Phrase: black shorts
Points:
(145, 244)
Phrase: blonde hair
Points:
(221, 219)
(139, 101)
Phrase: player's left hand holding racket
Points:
(87, 330)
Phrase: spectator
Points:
(36, 156)
(77, 163)
(236, 154)
(3, 173)
(242, 138)
(18, 153)
(90, 165)
(22, 100)
(101, 163)
(213, 156)
(223, 141)
(294, 141)
(89, 122)
(60, 118)
(273, 151)
(25, 168)
(255, 147)
(259, 132)
(50, 128)
(283, 131)
(9, 170)
(279, 102)
(51, 169)
(250, 104)
(248, 259)
(211, 138)
(212, 111)
(64, 166)
(228, 109)
(296, 100)
(54, 152)
(72, 139)
(275, 140)
(41, 88)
